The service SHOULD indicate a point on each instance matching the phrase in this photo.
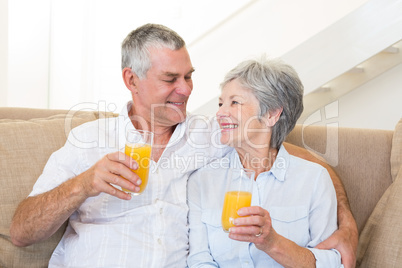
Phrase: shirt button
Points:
(159, 241)
(160, 210)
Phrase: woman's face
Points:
(238, 117)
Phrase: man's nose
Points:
(185, 87)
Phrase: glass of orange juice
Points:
(238, 195)
(139, 148)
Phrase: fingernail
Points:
(137, 189)
(139, 181)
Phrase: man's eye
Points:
(235, 102)
(220, 104)
(187, 78)
(171, 81)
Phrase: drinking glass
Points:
(139, 148)
(238, 195)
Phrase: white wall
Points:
(28, 53)
(377, 104)
(83, 41)
(72, 48)
(59, 54)
(374, 105)
(3, 51)
(273, 27)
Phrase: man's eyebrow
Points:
(191, 71)
(176, 74)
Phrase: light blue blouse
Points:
(299, 195)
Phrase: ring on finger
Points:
(260, 233)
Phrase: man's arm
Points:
(345, 239)
(38, 217)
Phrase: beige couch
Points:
(368, 161)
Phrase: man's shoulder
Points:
(89, 133)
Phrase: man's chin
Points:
(171, 118)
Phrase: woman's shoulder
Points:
(215, 167)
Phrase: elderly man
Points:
(107, 226)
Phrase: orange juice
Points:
(234, 200)
(141, 153)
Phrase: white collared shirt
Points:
(151, 229)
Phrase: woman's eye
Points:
(235, 102)
(220, 104)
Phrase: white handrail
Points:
(356, 37)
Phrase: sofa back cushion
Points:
(396, 153)
(380, 243)
(359, 156)
(25, 147)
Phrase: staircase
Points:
(345, 55)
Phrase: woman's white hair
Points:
(276, 85)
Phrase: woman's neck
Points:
(258, 159)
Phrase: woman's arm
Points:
(257, 228)
(345, 239)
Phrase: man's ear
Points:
(129, 79)
(273, 116)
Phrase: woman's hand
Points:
(257, 228)
(254, 226)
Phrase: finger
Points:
(348, 261)
(122, 170)
(100, 182)
(250, 220)
(109, 189)
(327, 244)
(254, 210)
(122, 182)
(122, 158)
(121, 164)
(248, 231)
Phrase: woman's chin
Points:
(226, 141)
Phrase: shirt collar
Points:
(125, 124)
(279, 168)
(281, 164)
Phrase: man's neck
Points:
(162, 133)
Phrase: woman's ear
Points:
(129, 79)
(273, 116)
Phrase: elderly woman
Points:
(293, 201)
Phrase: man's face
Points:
(164, 92)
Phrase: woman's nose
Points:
(222, 112)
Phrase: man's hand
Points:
(38, 217)
(114, 168)
(344, 240)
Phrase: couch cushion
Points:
(25, 147)
(360, 157)
(396, 153)
(380, 243)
